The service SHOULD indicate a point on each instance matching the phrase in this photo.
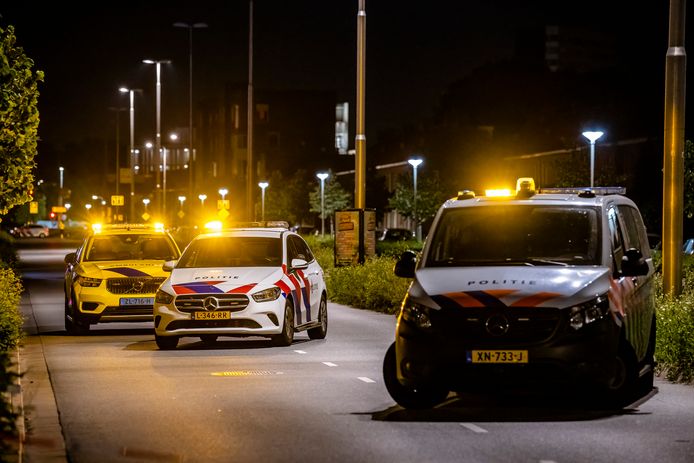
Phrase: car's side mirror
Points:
(405, 266)
(169, 265)
(299, 264)
(70, 258)
(633, 263)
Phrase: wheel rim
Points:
(324, 314)
(288, 321)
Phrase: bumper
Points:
(257, 319)
(567, 358)
(96, 305)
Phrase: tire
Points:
(73, 327)
(319, 332)
(406, 396)
(166, 342)
(646, 381)
(208, 339)
(622, 388)
(42, 235)
(286, 337)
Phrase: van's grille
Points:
(525, 325)
(194, 302)
(134, 285)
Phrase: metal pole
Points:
(157, 141)
(250, 113)
(416, 222)
(262, 208)
(592, 163)
(132, 156)
(673, 164)
(322, 207)
(190, 111)
(360, 139)
(117, 148)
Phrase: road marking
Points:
(547, 461)
(473, 427)
(365, 379)
(330, 364)
(300, 351)
(246, 373)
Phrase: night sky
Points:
(415, 50)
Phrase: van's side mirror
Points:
(169, 265)
(70, 258)
(633, 263)
(405, 266)
(299, 264)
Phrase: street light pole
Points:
(191, 152)
(592, 138)
(131, 93)
(157, 141)
(322, 176)
(415, 163)
(61, 169)
(250, 114)
(262, 186)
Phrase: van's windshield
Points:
(516, 235)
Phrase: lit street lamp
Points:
(157, 149)
(181, 199)
(131, 92)
(262, 186)
(592, 138)
(322, 176)
(202, 199)
(223, 192)
(415, 163)
(190, 28)
(61, 169)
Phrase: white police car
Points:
(246, 281)
(549, 289)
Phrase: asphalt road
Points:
(122, 400)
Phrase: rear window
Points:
(234, 251)
(522, 235)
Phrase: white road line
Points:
(547, 461)
(300, 351)
(330, 364)
(473, 427)
(365, 379)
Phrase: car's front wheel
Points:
(286, 337)
(406, 396)
(166, 342)
(73, 326)
(319, 332)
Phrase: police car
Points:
(257, 279)
(113, 275)
(551, 287)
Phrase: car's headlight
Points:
(416, 314)
(87, 282)
(266, 295)
(588, 312)
(162, 297)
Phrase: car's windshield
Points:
(232, 251)
(516, 235)
(131, 247)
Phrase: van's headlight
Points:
(589, 312)
(162, 297)
(416, 314)
(267, 295)
(87, 282)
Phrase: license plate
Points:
(497, 356)
(216, 315)
(136, 301)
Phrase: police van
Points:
(531, 288)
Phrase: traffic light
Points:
(52, 215)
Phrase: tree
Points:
(335, 197)
(430, 195)
(286, 198)
(19, 121)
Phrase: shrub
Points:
(8, 254)
(8, 418)
(396, 248)
(10, 317)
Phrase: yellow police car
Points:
(114, 274)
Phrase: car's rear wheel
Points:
(319, 332)
(409, 397)
(286, 337)
(73, 326)
(208, 339)
(166, 342)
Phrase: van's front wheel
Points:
(406, 396)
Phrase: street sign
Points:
(117, 200)
(223, 213)
(222, 204)
(181, 214)
(34, 207)
(145, 217)
(59, 209)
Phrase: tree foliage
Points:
(287, 198)
(19, 121)
(335, 197)
(430, 195)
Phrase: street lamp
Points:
(415, 163)
(145, 201)
(202, 199)
(592, 138)
(190, 28)
(131, 92)
(157, 149)
(322, 176)
(61, 169)
(223, 192)
(262, 186)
